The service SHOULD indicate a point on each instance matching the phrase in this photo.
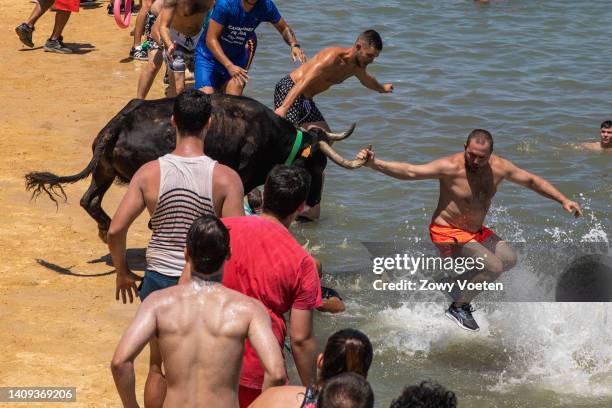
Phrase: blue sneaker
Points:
(463, 317)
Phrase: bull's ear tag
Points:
(306, 152)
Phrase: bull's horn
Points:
(336, 137)
(339, 160)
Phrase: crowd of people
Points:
(209, 285)
(218, 283)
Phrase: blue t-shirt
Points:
(238, 24)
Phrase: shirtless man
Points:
(293, 96)
(181, 26)
(201, 327)
(605, 144)
(468, 182)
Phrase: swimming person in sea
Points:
(605, 142)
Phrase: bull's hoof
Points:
(103, 234)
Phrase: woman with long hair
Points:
(346, 351)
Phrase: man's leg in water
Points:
(149, 72)
(314, 213)
(497, 257)
(155, 387)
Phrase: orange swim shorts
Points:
(441, 234)
(67, 5)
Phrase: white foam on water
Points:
(512, 231)
(414, 328)
(597, 232)
(562, 347)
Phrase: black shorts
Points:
(302, 110)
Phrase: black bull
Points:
(244, 135)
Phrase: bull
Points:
(244, 135)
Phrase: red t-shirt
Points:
(268, 264)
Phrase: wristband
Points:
(296, 45)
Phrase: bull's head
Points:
(314, 158)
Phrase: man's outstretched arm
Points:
(406, 171)
(131, 344)
(370, 82)
(522, 177)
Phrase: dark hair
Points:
(482, 137)
(346, 351)
(255, 199)
(285, 190)
(207, 244)
(191, 112)
(346, 390)
(425, 395)
(606, 124)
(371, 38)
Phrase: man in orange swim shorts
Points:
(63, 10)
(468, 182)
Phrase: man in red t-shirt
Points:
(268, 264)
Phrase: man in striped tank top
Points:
(176, 189)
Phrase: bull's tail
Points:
(51, 184)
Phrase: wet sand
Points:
(58, 329)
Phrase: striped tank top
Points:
(185, 194)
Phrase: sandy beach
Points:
(58, 329)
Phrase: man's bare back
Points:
(595, 146)
(333, 66)
(201, 327)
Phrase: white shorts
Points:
(183, 53)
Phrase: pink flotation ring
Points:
(123, 22)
